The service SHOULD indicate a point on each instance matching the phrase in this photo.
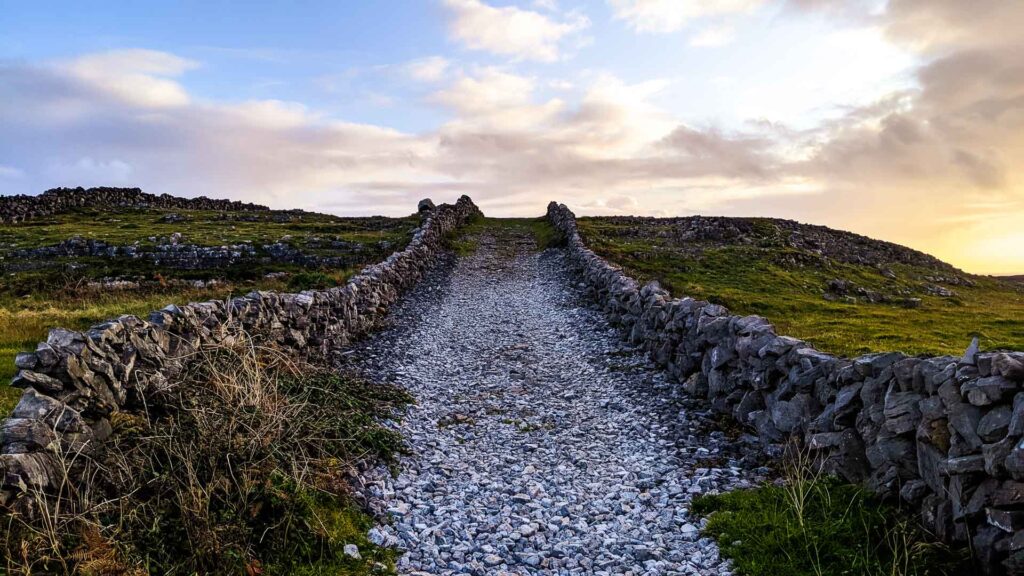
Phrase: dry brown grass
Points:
(243, 467)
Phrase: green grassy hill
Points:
(844, 293)
(41, 292)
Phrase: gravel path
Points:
(540, 444)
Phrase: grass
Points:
(242, 470)
(812, 525)
(466, 240)
(839, 530)
(34, 301)
(786, 286)
(205, 228)
(27, 320)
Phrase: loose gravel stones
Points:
(540, 444)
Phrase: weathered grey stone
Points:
(1006, 520)
(985, 391)
(52, 412)
(41, 382)
(1015, 461)
(971, 354)
(873, 364)
(1016, 427)
(26, 361)
(1010, 366)
(995, 456)
(789, 415)
(25, 435)
(965, 418)
(995, 423)
(1009, 493)
(929, 462)
(842, 454)
(914, 491)
(963, 465)
(901, 411)
(905, 371)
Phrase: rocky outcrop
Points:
(943, 434)
(75, 381)
(57, 200)
(694, 234)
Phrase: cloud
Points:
(511, 31)
(664, 16)
(933, 165)
(90, 172)
(10, 172)
(713, 37)
(136, 76)
(931, 161)
(430, 69)
(505, 144)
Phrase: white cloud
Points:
(136, 76)
(89, 172)
(487, 90)
(10, 172)
(713, 37)
(430, 69)
(664, 16)
(511, 31)
(508, 146)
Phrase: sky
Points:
(900, 119)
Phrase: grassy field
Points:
(34, 301)
(465, 240)
(205, 228)
(787, 286)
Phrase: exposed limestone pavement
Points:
(540, 444)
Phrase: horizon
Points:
(897, 120)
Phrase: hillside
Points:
(844, 293)
(87, 255)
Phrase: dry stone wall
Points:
(941, 434)
(18, 208)
(75, 381)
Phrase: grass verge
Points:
(787, 286)
(812, 525)
(839, 530)
(241, 470)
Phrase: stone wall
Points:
(75, 381)
(942, 435)
(185, 256)
(57, 200)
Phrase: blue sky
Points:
(849, 113)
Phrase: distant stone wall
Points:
(943, 434)
(75, 381)
(185, 256)
(57, 200)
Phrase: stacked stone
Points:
(23, 207)
(943, 434)
(184, 256)
(75, 381)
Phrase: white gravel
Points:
(540, 444)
